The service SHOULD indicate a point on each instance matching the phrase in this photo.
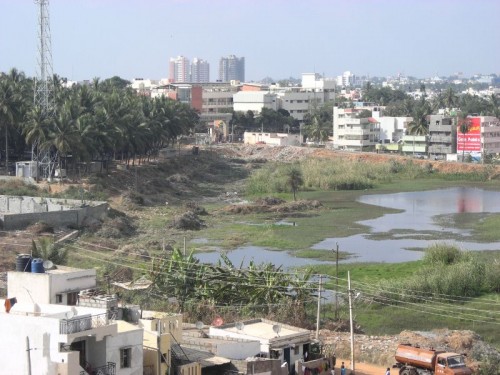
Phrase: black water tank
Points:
(23, 263)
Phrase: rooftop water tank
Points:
(37, 265)
(23, 263)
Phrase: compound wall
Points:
(19, 212)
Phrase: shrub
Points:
(442, 254)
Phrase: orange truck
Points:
(413, 360)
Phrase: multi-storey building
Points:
(392, 129)
(200, 71)
(254, 101)
(482, 137)
(213, 101)
(352, 133)
(442, 136)
(179, 69)
(232, 68)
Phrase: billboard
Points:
(470, 141)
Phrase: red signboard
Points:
(471, 140)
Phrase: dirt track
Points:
(363, 368)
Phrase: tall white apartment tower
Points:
(179, 69)
(232, 68)
(200, 71)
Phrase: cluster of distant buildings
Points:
(181, 70)
(55, 322)
(216, 101)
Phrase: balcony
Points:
(440, 139)
(108, 369)
(82, 323)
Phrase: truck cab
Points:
(451, 364)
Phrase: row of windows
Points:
(226, 101)
(297, 101)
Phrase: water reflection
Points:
(407, 229)
(417, 217)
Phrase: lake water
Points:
(417, 219)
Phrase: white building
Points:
(200, 71)
(352, 133)
(179, 69)
(314, 81)
(277, 341)
(346, 79)
(392, 129)
(60, 285)
(254, 101)
(67, 340)
(273, 139)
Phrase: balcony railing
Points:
(82, 323)
(108, 369)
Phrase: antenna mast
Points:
(44, 87)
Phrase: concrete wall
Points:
(128, 339)
(20, 212)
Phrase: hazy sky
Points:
(278, 38)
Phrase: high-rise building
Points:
(232, 68)
(200, 71)
(179, 69)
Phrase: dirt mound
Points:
(40, 228)
(274, 205)
(116, 227)
(187, 221)
(380, 350)
(269, 201)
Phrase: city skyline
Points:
(278, 39)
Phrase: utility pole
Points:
(337, 284)
(319, 306)
(28, 354)
(158, 344)
(350, 319)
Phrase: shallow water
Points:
(417, 219)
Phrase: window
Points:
(125, 357)
(58, 298)
(72, 298)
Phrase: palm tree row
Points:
(102, 121)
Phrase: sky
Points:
(278, 38)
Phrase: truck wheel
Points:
(405, 371)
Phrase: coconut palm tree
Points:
(463, 127)
(294, 179)
(419, 125)
(10, 105)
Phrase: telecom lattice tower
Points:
(44, 87)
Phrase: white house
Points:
(274, 139)
(277, 341)
(67, 340)
(60, 285)
(392, 129)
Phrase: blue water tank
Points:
(23, 263)
(37, 265)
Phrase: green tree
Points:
(420, 124)
(10, 104)
(46, 249)
(294, 179)
(463, 127)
